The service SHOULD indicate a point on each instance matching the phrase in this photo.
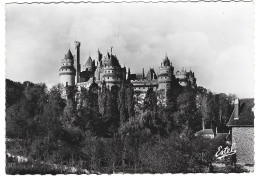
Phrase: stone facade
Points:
(243, 139)
(67, 71)
(108, 71)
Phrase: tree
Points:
(17, 120)
(187, 116)
(14, 92)
(69, 114)
(112, 116)
(53, 111)
(150, 101)
(25, 114)
(203, 102)
(122, 104)
(130, 100)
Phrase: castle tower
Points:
(165, 76)
(192, 80)
(183, 77)
(67, 71)
(112, 71)
(77, 47)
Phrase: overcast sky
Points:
(215, 40)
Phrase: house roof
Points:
(203, 132)
(245, 115)
(222, 135)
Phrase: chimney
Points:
(77, 47)
(143, 73)
(236, 111)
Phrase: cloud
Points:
(213, 39)
(235, 71)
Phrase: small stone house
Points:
(241, 125)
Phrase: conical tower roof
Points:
(112, 61)
(69, 55)
(88, 62)
(166, 61)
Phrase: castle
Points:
(107, 70)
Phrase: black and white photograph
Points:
(117, 87)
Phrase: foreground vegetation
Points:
(107, 131)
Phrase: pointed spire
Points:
(111, 50)
(99, 55)
(69, 55)
(89, 58)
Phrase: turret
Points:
(183, 77)
(151, 75)
(67, 71)
(165, 76)
(165, 72)
(186, 79)
(192, 79)
(112, 71)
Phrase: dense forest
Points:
(113, 130)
